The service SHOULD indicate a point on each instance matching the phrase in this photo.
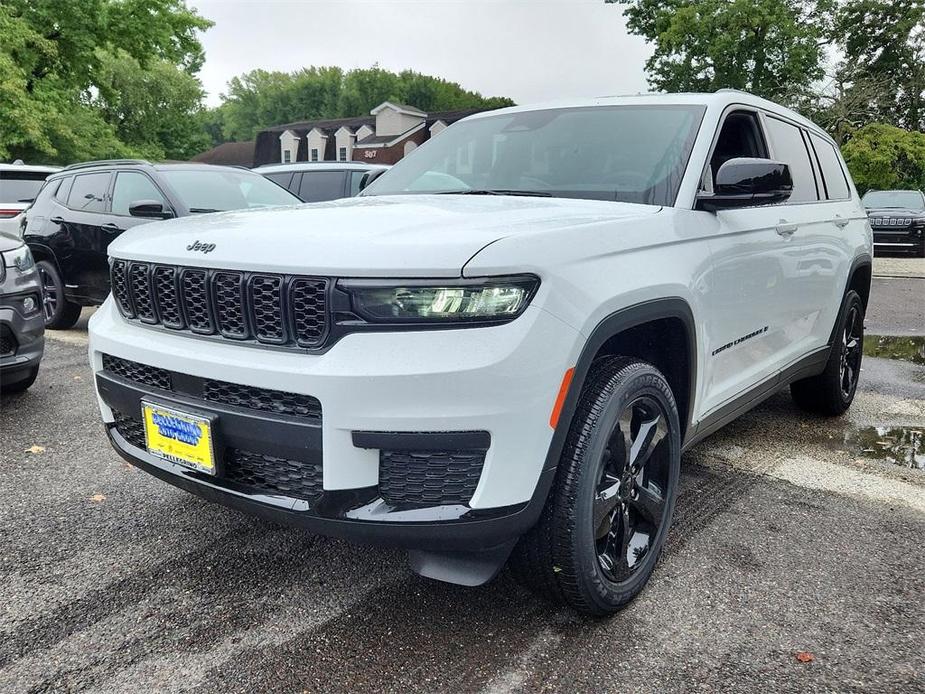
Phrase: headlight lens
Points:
(20, 258)
(498, 299)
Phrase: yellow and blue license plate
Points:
(179, 437)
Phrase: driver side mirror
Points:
(747, 182)
(149, 209)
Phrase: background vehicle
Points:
(22, 329)
(898, 220)
(319, 181)
(503, 346)
(83, 208)
(19, 184)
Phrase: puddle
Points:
(903, 446)
(904, 348)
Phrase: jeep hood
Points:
(395, 236)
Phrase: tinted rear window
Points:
(88, 192)
(835, 183)
(317, 186)
(20, 186)
(790, 148)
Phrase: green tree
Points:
(884, 43)
(773, 48)
(52, 57)
(883, 157)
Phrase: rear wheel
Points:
(606, 519)
(832, 392)
(60, 313)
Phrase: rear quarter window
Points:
(836, 184)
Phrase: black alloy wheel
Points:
(58, 312)
(630, 506)
(50, 297)
(852, 346)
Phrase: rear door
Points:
(87, 229)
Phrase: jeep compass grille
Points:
(260, 308)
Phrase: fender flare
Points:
(610, 326)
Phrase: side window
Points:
(836, 185)
(739, 137)
(356, 178)
(89, 192)
(282, 179)
(132, 186)
(64, 190)
(322, 185)
(790, 148)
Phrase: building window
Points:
(287, 156)
(342, 154)
(314, 154)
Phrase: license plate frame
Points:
(180, 436)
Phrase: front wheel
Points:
(60, 314)
(606, 519)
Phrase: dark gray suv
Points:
(22, 326)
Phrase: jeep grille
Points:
(283, 310)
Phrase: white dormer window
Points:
(342, 154)
(314, 154)
(287, 156)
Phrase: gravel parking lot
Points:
(796, 563)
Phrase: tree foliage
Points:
(259, 98)
(58, 81)
(767, 47)
(885, 157)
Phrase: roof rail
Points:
(105, 162)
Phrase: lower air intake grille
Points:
(253, 472)
(429, 478)
(7, 341)
(262, 399)
(137, 373)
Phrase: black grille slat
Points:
(195, 286)
(429, 478)
(308, 299)
(140, 288)
(120, 288)
(282, 310)
(256, 472)
(264, 399)
(167, 296)
(138, 373)
(8, 343)
(228, 294)
(266, 296)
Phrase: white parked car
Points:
(19, 184)
(501, 348)
(322, 180)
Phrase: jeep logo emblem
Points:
(199, 246)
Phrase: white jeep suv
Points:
(502, 347)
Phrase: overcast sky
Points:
(529, 50)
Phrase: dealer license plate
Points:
(179, 437)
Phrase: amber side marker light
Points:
(560, 398)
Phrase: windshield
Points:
(21, 186)
(626, 153)
(908, 199)
(202, 190)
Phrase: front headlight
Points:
(484, 300)
(20, 258)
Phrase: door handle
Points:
(841, 222)
(57, 220)
(785, 229)
(112, 228)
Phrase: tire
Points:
(573, 556)
(22, 385)
(831, 392)
(60, 314)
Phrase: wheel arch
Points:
(632, 331)
(860, 277)
(42, 252)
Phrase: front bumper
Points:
(405, 390)
(895, 239)
(22, 337)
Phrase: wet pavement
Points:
(796, 563)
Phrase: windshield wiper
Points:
(497, 191)
(194, 210)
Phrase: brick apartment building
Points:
(385, 136)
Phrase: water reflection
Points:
(904, 446)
